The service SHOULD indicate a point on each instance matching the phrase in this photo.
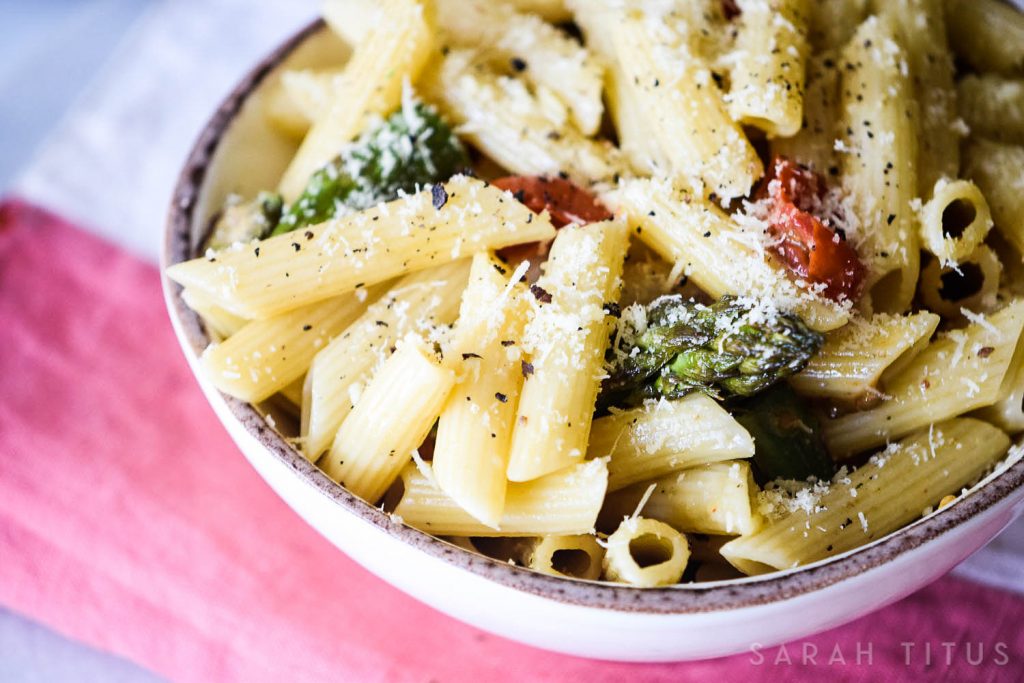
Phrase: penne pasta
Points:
(996, 168)
(814, 144)
(992, 106)
(647, 553)
(217, 320)
(988, 34)
(361, 249)
(663, 437)
(391, 419)
(958, 372)
(972, 285)
(890, 491)
(955, 221)
(575, 557)
(562, 503)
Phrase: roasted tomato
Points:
(565, 203)
(809, 247)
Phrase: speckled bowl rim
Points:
(683, 599)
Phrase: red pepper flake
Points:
(542, 294)
(811, 250)
(985, 351)
(730, 9)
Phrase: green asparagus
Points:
(411, 148)
(724, 349)
(787, 436)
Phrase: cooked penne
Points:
(475, 428)
(565, 341)
(221, 322)
(814, 143)
(575, 557)
(1007, 413)
(879, 159)
(353, 20)
(958, 372)
(996, 168)
(563, 503)
(685, 109)
(859, 358)
(971, 285)
(888, 492)
(834, 21)
(551, 10)
(418, 303)
(659, 438)
(408, 234)
(992, 106)
(718, 498)
(265, 356)
(647, 553)
(527, 44)
(718, 254)
(393, 53)
(767, 65)
(988, 34)
(528, 133)
(391, 419)
(954, 221)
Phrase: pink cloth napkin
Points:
(129, 521)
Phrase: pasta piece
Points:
(958, 372)
(426, 229)
(921, 28)
(972, 285)
(718, 254)
(293, 393)
(353, 20)
(988, 34)
(834, 21)
(887, 493)
(543, 54)
(267, 355)
(221, 322)
(996, 168)
(954, 221)
(394, 52)
(391, 419)
(1008, 412)
(283, 111)
(563, 503)
(862, 356)
(310, 91)
(648, 442)
(574, 557)
(718, 498)
(473, 434)
(565, 339)
(646, 553)
(685, 109)
(420, 303)
(993, 106)
(528, 133)
(813, 144)
(879, 165)
(767, 65)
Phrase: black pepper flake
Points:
(507, 342)
(360, 284)
(499, 268)
(651, 213)
(467, 356)
(501, 397)
(309, 234)
(707, 233)
(518, 64)
(307, 328)
(438, 196)
(527, 368)
(296, 246)
(613, 309)
(380, 323)
(890, 218)
(985, 351)
(542, 294)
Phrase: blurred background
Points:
(100, 101)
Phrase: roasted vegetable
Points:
(411, 148)
(725, 349)
(787, 436)
(244, 222)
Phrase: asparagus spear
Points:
(411, 148)
(724, 350)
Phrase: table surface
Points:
(98, 130)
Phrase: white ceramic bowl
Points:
(238, 151)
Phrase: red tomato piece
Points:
(565, 202)
(810, 249)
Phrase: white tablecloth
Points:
(112, 163)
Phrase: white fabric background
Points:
(112, 163)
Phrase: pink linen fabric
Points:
(129, 521)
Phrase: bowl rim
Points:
(672, 600)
